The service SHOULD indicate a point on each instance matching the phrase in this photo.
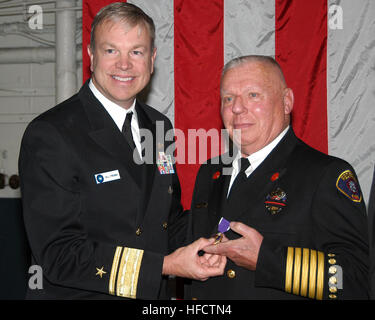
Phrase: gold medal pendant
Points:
(218, 238)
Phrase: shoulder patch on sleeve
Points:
(348, 185)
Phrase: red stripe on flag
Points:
(198, 60)
(301, 50)
(89, 10)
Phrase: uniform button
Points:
(331, 255)
(332, 280)
(332, 261)
(332, 270)
(231, 273)
(194, 298)
(138, 232)
(165, 225)
(170, 190)
(201, 205)
(332, 296)
(333, 289)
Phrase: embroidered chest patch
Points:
(276, 201)
(348, 185)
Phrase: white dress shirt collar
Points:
(118, 114)
(256, 158)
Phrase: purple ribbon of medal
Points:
(222, 228)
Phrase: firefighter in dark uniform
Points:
(296, 220)
(100, 216)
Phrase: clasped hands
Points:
(187, 263)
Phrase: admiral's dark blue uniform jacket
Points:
(96, 241)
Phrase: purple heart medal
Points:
(223, 227)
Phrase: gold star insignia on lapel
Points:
(100, 272)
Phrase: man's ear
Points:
(91, 55)
(153, 57)
(288, 100)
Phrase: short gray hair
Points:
(124, 12)
(252, 58)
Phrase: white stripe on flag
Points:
(351, 89)
(249, 28)
(160, 92)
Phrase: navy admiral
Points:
(291, 220)
(101, 223)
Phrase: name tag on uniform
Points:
(107, 176)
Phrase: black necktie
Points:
(243, 163)
(127, 130)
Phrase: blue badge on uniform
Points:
(164, 163)
(348, 185)
(107, 176)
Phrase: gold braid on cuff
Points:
(304, 272)
(125, 272)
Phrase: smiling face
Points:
(122, 61)
(256, 102)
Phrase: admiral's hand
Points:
(185, 262)
(243, 251)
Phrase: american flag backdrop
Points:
(325, 47)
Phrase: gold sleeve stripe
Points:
(312, 278)
(305, 272)
(125, 272)
(137, 267)
(320, 276)
(289, 269)
(297, 270)
(112, 279)
(129, 272)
